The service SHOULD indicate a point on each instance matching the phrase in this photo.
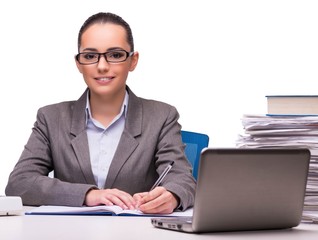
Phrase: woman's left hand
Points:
(159, 200)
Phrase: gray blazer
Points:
(150, 140)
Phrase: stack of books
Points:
(290, 129)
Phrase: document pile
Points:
(262, 131)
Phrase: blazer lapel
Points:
(80, 141)
(128, 142)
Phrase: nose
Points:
(102, 63)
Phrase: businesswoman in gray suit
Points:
(110, 146)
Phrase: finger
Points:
(151, 201)
(153, 194)
(127, 200)
(139, 196)
(153, 206)
(120, 198)
(114, 200)
(164, 203)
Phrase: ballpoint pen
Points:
(162, 176)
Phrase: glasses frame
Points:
(128, 54)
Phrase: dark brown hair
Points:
(106, 17)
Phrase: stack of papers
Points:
(310, 216)
(261, 131)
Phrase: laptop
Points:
(241, 189)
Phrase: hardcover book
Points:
(292, 105)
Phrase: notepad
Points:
(96, 210)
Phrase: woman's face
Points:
(105, 79)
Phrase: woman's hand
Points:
(110, 197)
(159, 200)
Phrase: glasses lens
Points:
(88, 58)
(116, 56)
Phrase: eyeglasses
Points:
(116, 56)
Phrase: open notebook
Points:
(246, 189)
(96, 210)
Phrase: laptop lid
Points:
(247, 189)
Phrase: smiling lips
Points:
(104, 79)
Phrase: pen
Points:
(162, 176)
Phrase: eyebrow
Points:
(109, 49)
(90, 49)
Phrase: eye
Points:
(116, 55)
(90, 56)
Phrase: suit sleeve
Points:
(179, 180)
(29, 178)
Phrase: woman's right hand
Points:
(110, 197)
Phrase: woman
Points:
(109, 146)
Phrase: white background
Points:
(213, 60)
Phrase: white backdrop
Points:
(213, 60)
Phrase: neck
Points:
(104, 109)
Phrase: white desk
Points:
(131, 228)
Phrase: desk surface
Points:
(107, 227)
